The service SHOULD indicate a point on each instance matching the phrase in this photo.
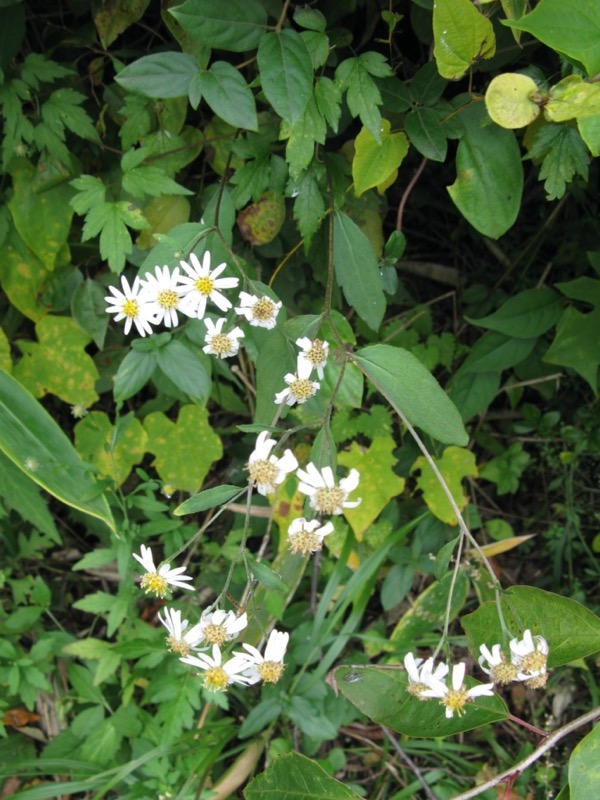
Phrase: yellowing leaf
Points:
(163, 213)
(461, 35)
(455, 464)
(374, 163)
(184, 450)
(503, 546)
(93, 437)
(58, 363)
(5, 359)
(573, 98)
(378, 481)
(21, 276)
(115, 16)
(509, 100)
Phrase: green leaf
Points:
(286, 72)
(455, 464)
(461, 35)
(487, 191)
(506, 469)
(63, 110)
(303, 134)
(329, 98)
(510, 100)
(89, 310)
(572, 98)
(589, 128)
(381, 695)
(495, 352)
(375, 162)
(29, 434)
(525, 315)
(295, 777)
(23, 275)
(409, 386)
(472, 392)
(91, 192)
(227, 93)
(146, 181)
(115, 16)
(267, 576)
(425, 132)
(20, 492)
(275, 357)
(134, 372)
(236, 25)
(185, 369)
(311, 19)
(571, 630)
(160, 75)
(110, 220)
(577, 345)
(309, 206)
(584, 767)
(578, 37)
(95, 441)
(442, 559)
(363, 96)
(357, 270)
(208, 499)
(564, 156)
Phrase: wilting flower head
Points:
(131, 305)
(420, 672)
(306, 537)
(163, 295)
(530, 655)
(325, 496)
(268, 668)
(218, 675)
(181, 639)
(496, 665)
(218, 627)
(159, 581)
(315, 352)
(200, 285)
(458, 696)
(299, 386)
(259, 311)
(266, 471)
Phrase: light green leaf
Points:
(525, 315)
(151, 181)
(589, 128)
(425, 131)
(295, 777)
(29, 434)
(572, 98)
(455, 464)
(22, 275)
(576, 36)
(91, 192)
(510, 100)
(94, 440)
(584, 767)
(286, 72)
(410, 387)
(461, 35)
(357, 270)
(487, 191)
(208, 499)
(160, 75)
(374, 162)
(236, 25)
(227, 93)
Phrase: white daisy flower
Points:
(218, 627)
(132, 306)
(159, 581)
(163, 295)
(315, 351)
(265, 471)
(325, 496)
(268, 668)
(458, 696)
(222, 345)
(202, 285)
(299, 387)
(181, 638)
(306, 537)
(218, 675)
(419, 673)
(259, 311)
(494, 663)
(530, 656)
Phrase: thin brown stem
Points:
(411, 185)
(282, 16)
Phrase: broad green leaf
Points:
(295, 777)
(461, 35)
(134, 372)
(525, 315)
(28, 434)
(589, 129)
(487, 191)
(163, 214)
(510, 100)
(22, 276)
(94, 436)
(571, 630)
(472, 392)
(210, 498)
(227, 93)
(425, 131)
(374, 162)
(57, 363)
(584, 767)
(311, 19)
(318, 46)
(236, 25)
(302, 135)
(88, 307)
(577, 37)
(286, 72)
(185, 369)
(43, 219)
(357, 270)
(185, 450)
(276, 357)
(577, 345)
(381, 695)
(363, 96)
(115, 16)
(496, 351)
(20, 492)
(160, 75)
(408, 386)
(378, 482)
(455, 464)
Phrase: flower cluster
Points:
(300, 387)
(527, 662)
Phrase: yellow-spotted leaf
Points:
(57, 363)
(455, 464)
(375, 163)
(115, 16)
(163, 213)
(21, 276)
(378, 481)
(94, 435)
(5, 359)
(184, 450)
(573, 98)
(461, 35)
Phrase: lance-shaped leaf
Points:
(286, 72)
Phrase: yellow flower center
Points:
(263, 309)
(504, 673)
(215, 634)
(305, 542)
(316, 355)
(179, 646)
(167, 299)
(537, 683)
(328, 501)
(416, 689)
(205, 285)
(270, 671)
(302, 389)
(456, 700)
(130, 308)
(153, 582)
(533, 662)
(216, 679)
(221, 344)
(264, 472)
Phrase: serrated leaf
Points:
(374, 162)
(309, 206)
(564, 156)
(236, 25)
(302, 135)
(94, 440)
(295, 777)
(286, 72)
(363, 96)
(224, 89)
(329, 99)
(455, 464)
(63, 110)
(461, 35)
(525, 315)
(91, 192)
(208, 499)
(160, 75)
(151, 181)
